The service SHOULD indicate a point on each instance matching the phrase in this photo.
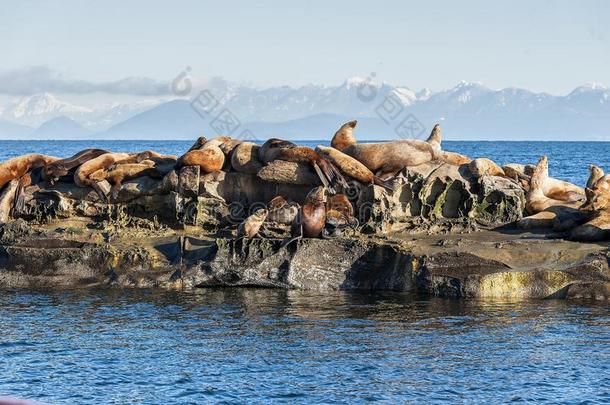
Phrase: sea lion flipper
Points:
(383, 183)
(323, 178)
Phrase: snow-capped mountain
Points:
(36, 109)
(467, 111)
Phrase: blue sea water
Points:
(271, 346)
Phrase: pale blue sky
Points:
(551, 46)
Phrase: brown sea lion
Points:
(250, 226)
(596, 174)
(480, 167)
(351, 167)
(311, 219)
(388, 156)
(339, 216)
(18, 166)
(53, 171)
(282, 211)
(81, 176)
(198, 143)
(245, 158)
(277, 149)
(340, 202)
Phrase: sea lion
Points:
(311, 219)
(558, 189)
(117, 173)
(282, 211)
(340, 202)
(453, 158)
(277, 149)
(313, 213)
(18, 166)
(198, 143)
(597, 229)
(350, 166)
(210, 158)
(596, 174)
(250, 226)
(537, 200)
(60, 168)
(387, 156)
(339, 216)
(244, 158)
(480, 167)
(81, 176)
(7, 199)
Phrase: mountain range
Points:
(466, 111)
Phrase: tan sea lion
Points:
(282, 211)
(537, 200)
(453, 158)
(480, 167)
(7, 199)
(558, 189)
(250, 226)
(54, 170)
(387, 156)
(18, 166)
(210, 158)
(245, 158)
(81, 176)
(596, 174)
(118, 173)
(351, 167)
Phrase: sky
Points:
(136, 47)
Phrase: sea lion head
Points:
(317, 195)
(344, 136)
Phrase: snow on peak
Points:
(358, 81)
(41, 104)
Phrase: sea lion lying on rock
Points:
(387, 156)
(350, 166)
(210, 158)
(480, 167)
(81, 176)
(278, 149)
(244, 158)
(60, 168)
(18, 166)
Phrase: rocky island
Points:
(236, 214)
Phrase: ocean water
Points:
(567, 160)
(271, 346)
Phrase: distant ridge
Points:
(468, 111)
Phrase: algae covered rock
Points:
(441, 194)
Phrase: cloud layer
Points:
(38, 79)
